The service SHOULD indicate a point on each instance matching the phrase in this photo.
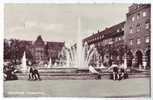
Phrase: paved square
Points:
(78, 88)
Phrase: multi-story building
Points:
(109, 43)
(137, 34)
(43, 51)
(53, 50)
(38, 51)
(131, 37)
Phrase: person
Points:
(35, 74)
(94, 71)
(9, 72)
(114, 75)
(30, 73)
(122, 72)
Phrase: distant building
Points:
(53, 50)
(137, 33)
(38, 51)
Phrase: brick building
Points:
(53, 50)
(131, 37)
(109, 43)
(38, 51)
(137, 34)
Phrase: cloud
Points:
(53, 27)
(30, 24)
(14, 29)
(34, 25)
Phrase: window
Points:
(144, 14)
(138, 16)
(116, 39)
(147, 39)
(98, 43)
(122, 28)
(118, 30)
(131, 42)
(138, 6)
(138, 28)
(133, 19)
(138, 41)
(147, 25)
(123, 37)
(131, 31)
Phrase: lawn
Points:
(78, 88)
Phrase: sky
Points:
(60, 22)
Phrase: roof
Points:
(137, 7)
(108, 32)
(55, 45)
(39, 40)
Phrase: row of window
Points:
(106, 40)
(39, 57)
(138, 16)
(101, 36)
(138, 41)
(118, 30)
(138, 28)
(110, 41)
(96, 38)
(39, 49)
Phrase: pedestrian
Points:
(115, 73)
(115, 68)
(36, 74)
(30, 73)
(121, 74)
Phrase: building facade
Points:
(130, 39)
(53, 50)
(37, 52)
(109, 43)
(137, 34)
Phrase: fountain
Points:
(23, 63)
(67, 59)
(125, 63)
(50, 63)
(80, 56)
(74, 62)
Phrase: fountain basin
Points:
(61, 76)
(57, 70)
